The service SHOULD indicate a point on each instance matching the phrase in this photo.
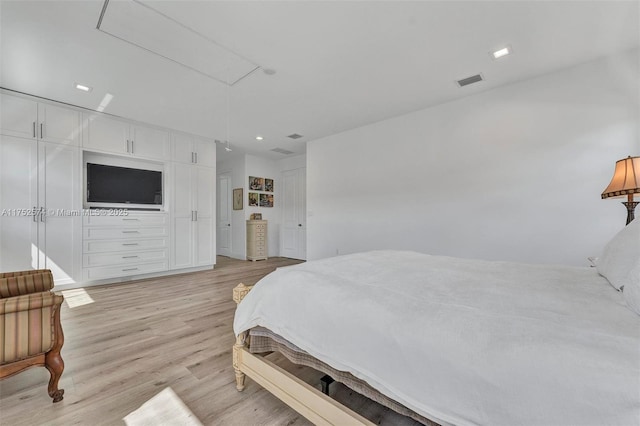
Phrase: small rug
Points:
(166, 408)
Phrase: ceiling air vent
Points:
(470, 80)
(282, 151)
(294, 136)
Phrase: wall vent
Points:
(470, 80)
(282, 151)
(294, 136)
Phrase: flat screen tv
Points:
(113, 186)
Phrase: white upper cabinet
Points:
(150, 142)
(58, 124)
(193, 150)
(106, 134)
(26, 118)
(19, 117)
(103, 133)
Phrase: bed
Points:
(455, 341)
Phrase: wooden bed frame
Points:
(302, 397)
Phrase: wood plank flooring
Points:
(125, 343)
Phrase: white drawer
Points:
(128, 233)
(102, 272)
(104, 259)
(98, 246)
(132, 219)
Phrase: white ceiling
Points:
(339, 64)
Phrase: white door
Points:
(224, 215)
(293, 196)
(60, 228)
(18, 116)
(18, 198)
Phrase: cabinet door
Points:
(18, 192)
(106, 134)
(60, 125)
(182, 148)
(150, 143)
(182, 217)
(205, 152)
(205, 252)
(18, 116)
(60, 230)
(205, 193)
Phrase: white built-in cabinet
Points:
(40, 202)
(111, 135)
(193, 219)
(25, 118)
(294, 217)
(193, 150)
(43, 223)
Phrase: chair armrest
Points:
(36, 282)
(19, 273)
(28, 302)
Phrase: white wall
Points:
(514, 173)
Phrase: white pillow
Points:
(632, 289)
(620, 255)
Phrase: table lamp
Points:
(625, 182)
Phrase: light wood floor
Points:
(125, 343)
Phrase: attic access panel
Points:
(139, 24)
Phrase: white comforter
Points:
(463, 341)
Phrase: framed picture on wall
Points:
(268, 185)
(254, 199)
(256, 183)
(237, 199)
(266, 200)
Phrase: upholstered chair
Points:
(30, 330)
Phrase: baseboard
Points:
(120, 280)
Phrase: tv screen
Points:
(112, 184)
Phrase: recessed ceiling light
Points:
(259, 138)
(497, 54)
(83, 87)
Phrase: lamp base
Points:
(631, 206)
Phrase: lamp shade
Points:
(626, 178)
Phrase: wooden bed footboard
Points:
(302, 397)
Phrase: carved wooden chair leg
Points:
(55, 365)
(53, 361)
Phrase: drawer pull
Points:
(129, 244)
(130, 232)
(130, 269)
(129, 257)
(131, 219)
